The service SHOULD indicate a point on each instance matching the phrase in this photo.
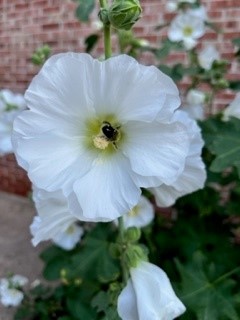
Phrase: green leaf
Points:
(84, 9)
(111, 314)
(101, 301)
(226, 147)
(236, 42)
(91, 41)
(205, 292)
(80, 310)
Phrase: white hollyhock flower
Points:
(171, 6)
(199, 12)
(195, 104)
(99, 131)
(194, 175)
(233, 110)
(149, 295)
(70, 237)
(53, 217)
(18, 280)
(187, 29)
(140, 216)
(11, 101)
(195, 97)
(207, 56)
(11, 297)
(6, 127)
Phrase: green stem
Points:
(106, 33)
(121, 236)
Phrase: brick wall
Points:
(27, 24)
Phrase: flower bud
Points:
(132, 234)
(123, 14)
(134, 254)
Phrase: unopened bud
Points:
(134, 254)
(123, 14)
(132, 234)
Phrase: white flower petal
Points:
(11, 297)
(149, 295)
(127, 304)
(54, 216)
(194, 174)
(141, 215)
(19, 280)
(106, 191)
(207, 56)
(70, 237)
(233, 110)
(157, 149)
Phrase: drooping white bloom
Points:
(99, 131)
(53, 217)
(70, 237)
(195, 104)
(194, 175)
(11, 297)
(140, 216)
(149, 295)
(207, 56)
(184, 27)
(233, 110)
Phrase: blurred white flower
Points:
(195, 97)
(53, 217)
(97, 25)
(70, 237)
(194, 175)
(195, 111)
(195, 104)
(100, 131)
(11, 297)
(10, 106)
(171, 6)
(207, 56)
(149, 295)
(18, 280)
(11, 101)
(140, 216)
(233, 110)
(6, 128)
(184, 27)
(199, 12)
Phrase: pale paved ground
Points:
(17, 254)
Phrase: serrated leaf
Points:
(205, 292)
(84, 9)
(101, 301)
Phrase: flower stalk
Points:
(122, 241)
(106, 32)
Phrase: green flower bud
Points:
(132, 234)
(133, 255)
(123, 14)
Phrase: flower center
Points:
(187, 31)
(108, 135)
(134, 212)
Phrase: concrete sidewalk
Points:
(17, 254)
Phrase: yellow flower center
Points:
(187, 31)
(103, 134)
(134, 212)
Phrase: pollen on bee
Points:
(100, 142)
